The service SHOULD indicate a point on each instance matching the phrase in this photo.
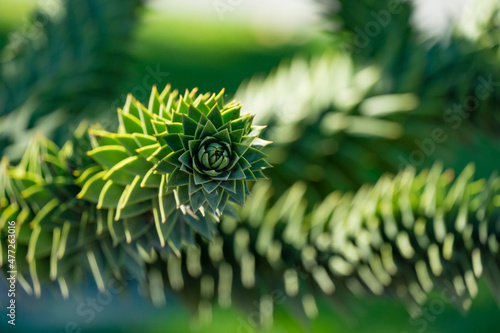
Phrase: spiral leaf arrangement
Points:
(203, 151)
(215, 153)
(112, 210)
(405, 236)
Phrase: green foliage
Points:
(61, 238)
(164, 149)
(215, 152)
(51, 82)
(155, 199)
(368, 29)
(347, 124)
(65, 202)
(404, 237)
(441, 71)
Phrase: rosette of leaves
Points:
(147, 165)
(215, 153)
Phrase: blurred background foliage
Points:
(343, 107)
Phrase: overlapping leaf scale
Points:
(147, 159)
(337, 123)
(107, 212)
(195, 125)
(403, 237)
(126, 177)
(63, 239)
